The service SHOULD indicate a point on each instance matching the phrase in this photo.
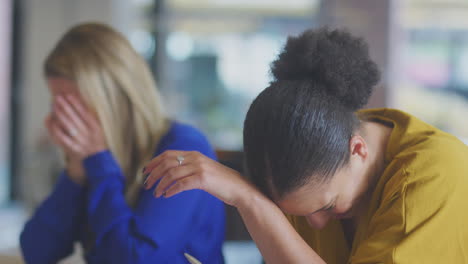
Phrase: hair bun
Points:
(334, 61)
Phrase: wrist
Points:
(76, 175)
(100, 166)
(248, 199)
(94, 152)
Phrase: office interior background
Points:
(210, 59)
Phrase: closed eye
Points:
(326, 208)
(331, 205)
(329, 208)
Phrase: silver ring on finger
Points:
(72, 132)
(180, 159)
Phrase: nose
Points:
(318, 220)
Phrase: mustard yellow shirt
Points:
(418, 212)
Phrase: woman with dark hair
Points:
(357, 186)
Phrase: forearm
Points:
(109, 217)
(54, 225)
(275, 237)
(268, 226)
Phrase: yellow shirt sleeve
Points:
(414, 223)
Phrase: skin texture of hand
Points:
(76, 131)
(276, 238)
(195, 172)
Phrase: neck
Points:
(376, 136)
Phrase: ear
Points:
(358, 147)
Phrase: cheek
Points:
(348, 199)
(343, 207)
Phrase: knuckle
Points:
(195, 154)
(170, 174)
(199, 159)
(204, 166)
(164, 165)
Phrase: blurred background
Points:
(210, 58)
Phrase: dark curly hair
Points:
(298, 129)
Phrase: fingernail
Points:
(146, 179)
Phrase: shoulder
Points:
(421, 155)
(434, 156)
(185, 137)
(423, 189)
(426, 179)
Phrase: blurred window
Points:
(212, 57)
(434, 76)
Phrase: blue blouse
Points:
(155, 231)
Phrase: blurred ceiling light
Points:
(143, 42)
(179, 46)
(247, 74)
(438, 14)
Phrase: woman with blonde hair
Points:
(108, 121)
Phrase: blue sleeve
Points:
(156, 230)
(49, 235)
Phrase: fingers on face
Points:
(89, 119)
(71, 122)
(68, 117)
(64, 139)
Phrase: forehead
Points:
(61, 85)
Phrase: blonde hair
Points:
(116, 83)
